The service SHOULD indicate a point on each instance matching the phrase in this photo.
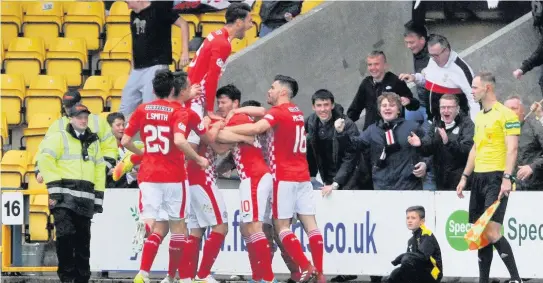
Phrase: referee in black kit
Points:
(492, 160)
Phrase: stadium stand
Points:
(67, 57)
(118, 20)
(13, 93)
(115, 94)
(13, 168)
(116, 58)
(12, 18)
(25, 56)
(85, 19)
(40, 220)
(44, 20)
(94, 93)
(34, 133)
(45, 95)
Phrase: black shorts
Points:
(485, 188)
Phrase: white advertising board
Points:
(363, 232)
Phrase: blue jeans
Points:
(419, 115)
(264, 30)
(429, 183)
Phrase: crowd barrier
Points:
(363, 232)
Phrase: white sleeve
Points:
(464, 84)
(420, 80)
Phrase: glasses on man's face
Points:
(438, 54)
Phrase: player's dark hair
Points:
(251, 103)
(419, 209)
(289, 82)
(111, 117)
(237, 11)
(231, 91)
(322, 94)
(163, 83)
(180, 82)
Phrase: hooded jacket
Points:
(344, 154)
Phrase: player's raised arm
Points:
(219, 55)
(253, 111)
(251, 129)
(181, 23)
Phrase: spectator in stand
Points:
(274, 14)
(329, 151)
(117, 121)
(529, 169)
(449, 141)
(151, 29)
(446, 73)
(371, 88)
(396, 165)
(415, 40)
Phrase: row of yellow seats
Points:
(45, 92)
(49, 20)
(28, 56)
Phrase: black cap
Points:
(71, 98)
(78, 109)
(419, 29)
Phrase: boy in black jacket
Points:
(422, 261)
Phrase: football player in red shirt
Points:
(292, 189)
(162, 172)
(207, 66)
(255, 188)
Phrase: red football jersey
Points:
(162, 161)
(196, 175)
(207, 66)
(287, 143)
(194, 122)
(248, 158)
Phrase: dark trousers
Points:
(413, 270)
(73, 233)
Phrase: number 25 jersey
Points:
(157, 121)
(287, 143)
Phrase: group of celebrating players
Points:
(177, 178)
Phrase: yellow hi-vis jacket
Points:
(98, 125)
(75, 183)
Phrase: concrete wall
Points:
(323, 49)
(502, 52)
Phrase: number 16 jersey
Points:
(287, 143)
(157, 122)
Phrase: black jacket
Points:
(397, 171)
(420, 60)
(369, 91)
(272, 13)
(449, 160)
(530, 152)
(424, 246)
(535, 60)
(344, 152)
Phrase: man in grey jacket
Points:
(529, 169)
(274, 14)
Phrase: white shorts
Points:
(207, 207)
(163, 214)
(199, 109)
(289, 198)
(172, 198)
(255, 195)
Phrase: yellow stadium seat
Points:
(13, 169)
(116, 93)
(251, 40)
(116, 58)
(67, 57)
(94, 93)
(309, 5)
(85, 20)
(118, 21)
(45, 95)
(12, 92)
(38, 125)
(40, 226)
(210, 23)
(256, 7)
(193, 22)
(176, 32)
(252, 32)
(238, 44)
(4, 128)
(11, 16)
(104, 115)
(43, 19)
(25, 56)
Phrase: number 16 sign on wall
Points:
(12, 208)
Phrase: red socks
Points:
(150, 249)
(212, 248)
(294, 248)
(262, 254)
(316, 244)
(177, 243)
(252, 259)
(189, 262)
